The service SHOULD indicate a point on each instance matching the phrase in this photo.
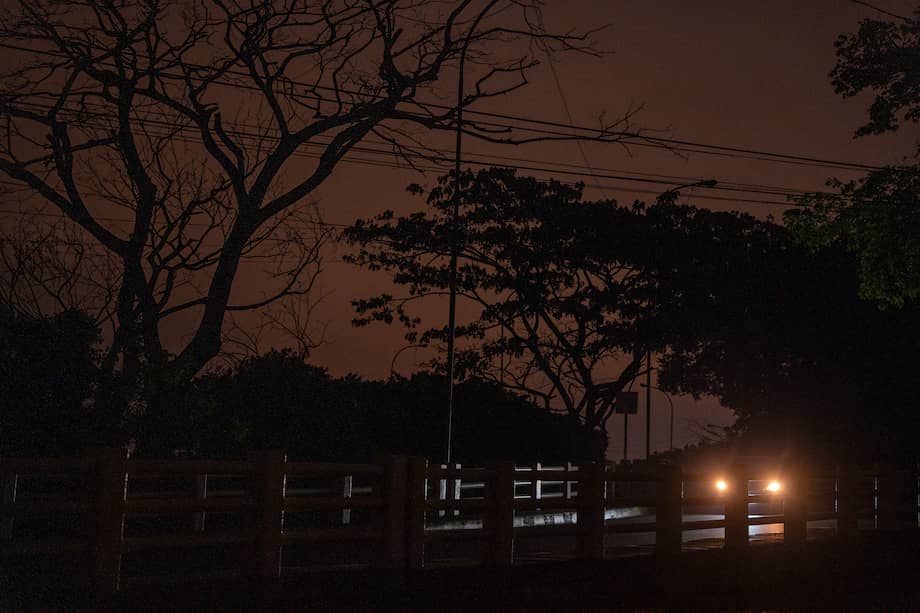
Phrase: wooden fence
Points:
(401, 508)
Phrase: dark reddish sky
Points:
(746, 74)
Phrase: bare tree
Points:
(168, 131)
(50, 266)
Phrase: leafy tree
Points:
(882, 56)
(278, 401)
(563, 311)
(48, 372)
(572, 295)
(569, 290)
(806, 365)
(878, 217)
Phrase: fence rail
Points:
(400, 508)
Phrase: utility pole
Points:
(667, 397)
(648, 403)
(455, 239)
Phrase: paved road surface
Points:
(541, 548)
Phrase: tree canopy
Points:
(284, 403)
(804, 363)
(48, 373)
(558, 304)
(877, 218)
(571, 294)
(882, 56)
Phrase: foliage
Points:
(273, 401)
(882, 56)
(878, 217)
(559, 304)
(278, 401)
(571, 294)
(48, 372)
(803, 362)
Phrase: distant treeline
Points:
(48, 376)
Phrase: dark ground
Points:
(879, 572)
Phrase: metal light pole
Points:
(648, 355)
(668, 396)
(454, 239)
(648, 403)
(393, 373)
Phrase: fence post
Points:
(499, 518)
(889, 497)
(567, 493)
(394, 537)
(736, 508)
(109, 491)
(10, 482)
(537, 483)
(847, 519)
(449, 491)
(347, 482)
(592, 493)
(201, 494)
(268, 484)
(795, 508)
(915, 499)
(669, 510)
(415, 510)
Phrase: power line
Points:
(565, 107)
(489, 159)
(640, 140)
(647, 178)
(62, 215)
(882, 11)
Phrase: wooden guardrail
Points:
(409, 506)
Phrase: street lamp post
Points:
(454, 239)
(393, 373)
(648, 389)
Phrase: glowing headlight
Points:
(774, 486)
(721, 485)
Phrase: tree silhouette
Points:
(170, 133)
(787, 344)
(564, 307)
(48, 372)
(278, 401)
(878, 217)
(50, 268)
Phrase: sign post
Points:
(626, 403)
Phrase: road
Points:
(543, 548)
(539, 548)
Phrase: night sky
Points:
(750, 75)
